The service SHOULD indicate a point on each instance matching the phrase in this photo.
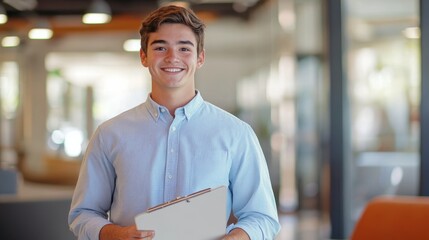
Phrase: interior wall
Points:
(235, 49)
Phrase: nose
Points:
(171, 56)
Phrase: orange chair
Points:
(394, 218)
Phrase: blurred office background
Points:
(333, 90)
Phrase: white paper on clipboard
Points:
(198, 216)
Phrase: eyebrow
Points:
(186, 42)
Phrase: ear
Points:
(201, 58)
(143, 58)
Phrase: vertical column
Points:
(339, 147)
(424, 102)
(34, 105)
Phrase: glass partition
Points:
(384, 88)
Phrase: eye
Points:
(159, 48)
(184, 49)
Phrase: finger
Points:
(147, 234)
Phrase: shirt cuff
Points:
(251, 232)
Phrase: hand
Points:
(115, 232)
(237, 234)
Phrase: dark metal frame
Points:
(424, 102)
(338, 113)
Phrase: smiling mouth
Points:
(172, 70)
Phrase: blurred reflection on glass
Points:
(384, 80)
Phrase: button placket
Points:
(172, 160)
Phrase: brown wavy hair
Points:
(172, 14)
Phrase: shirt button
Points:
(171, 150)
(173, 129)
(169, 176)
(162, 110)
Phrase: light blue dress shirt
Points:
(145, 156)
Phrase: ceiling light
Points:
(3, 16)
(42, 30)
(99, 12)
(40, 33)
(132, 45)
(10, 41)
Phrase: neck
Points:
(172, 100)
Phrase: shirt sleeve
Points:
(253, 200)
(93, 193)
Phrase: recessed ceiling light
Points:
(10, 41)
(40, 33)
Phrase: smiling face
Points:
(172, 59)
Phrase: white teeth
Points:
(172, 69)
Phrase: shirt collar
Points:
(153, 108)
(189, 109)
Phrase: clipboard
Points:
(198, 216)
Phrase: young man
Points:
(173, 144)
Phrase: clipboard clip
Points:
(179, 199)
